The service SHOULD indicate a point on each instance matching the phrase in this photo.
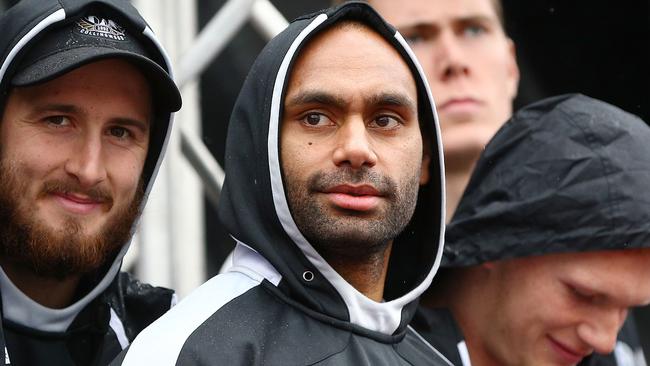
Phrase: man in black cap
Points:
(87, 98)
(550, 245)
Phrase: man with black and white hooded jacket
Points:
(87, 100)
(334, 168)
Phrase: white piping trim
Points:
(55, 17)
(418, 336)
(464, 353)
(626, 356)
(118, 328)
(152, 36)
(381, 317)
(441, 240)
(161, 342)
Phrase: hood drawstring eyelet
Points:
(308, 276)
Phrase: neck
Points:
(466, 304)
(456, 181)
(367, 275)
(53, 293)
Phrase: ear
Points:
(426, 160)
(513, 69)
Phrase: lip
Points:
(566, 354)
(356, 198)
(77, 203)
(460, 106)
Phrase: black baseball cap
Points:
(93, 38)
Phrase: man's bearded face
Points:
(58, 252)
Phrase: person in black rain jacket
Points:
(87, 97)
(550, 245)
(334, 170)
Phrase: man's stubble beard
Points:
(352, 235)
(57, 253)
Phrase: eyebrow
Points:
(140, 125)
(435, 26)
(63, 108)
(393, 100)
(381, 99)
(72, 109)
(316, 97)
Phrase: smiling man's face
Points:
(351, 147)
(72, 152)
(554, 310)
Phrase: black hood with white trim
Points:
(254, 208)
(21, 27)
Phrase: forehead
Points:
(110, 84)
(349, 61)
(412, 12)
(111, 73)
(618, 275)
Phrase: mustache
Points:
(322, 181)
(99, 194)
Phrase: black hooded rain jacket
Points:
(565, 174)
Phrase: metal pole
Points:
(217, 33)
(267, 19)
(214, 36)
(208, 169)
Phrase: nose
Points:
(601, 330)
(85, 162)
(353, 147)
(449, 59)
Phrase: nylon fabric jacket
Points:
(112, 307)
(565, 174)
(581, 187)
(281, 303)
(440, 329)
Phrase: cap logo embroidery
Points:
(99, 27)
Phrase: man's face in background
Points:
(469, 62)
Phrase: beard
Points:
(359, 236)
(27, 241)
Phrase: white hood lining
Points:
(53, 18)
(118, 328)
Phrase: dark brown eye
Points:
(385, 122)
(119, 132)
(313, 119)
(58, 120)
